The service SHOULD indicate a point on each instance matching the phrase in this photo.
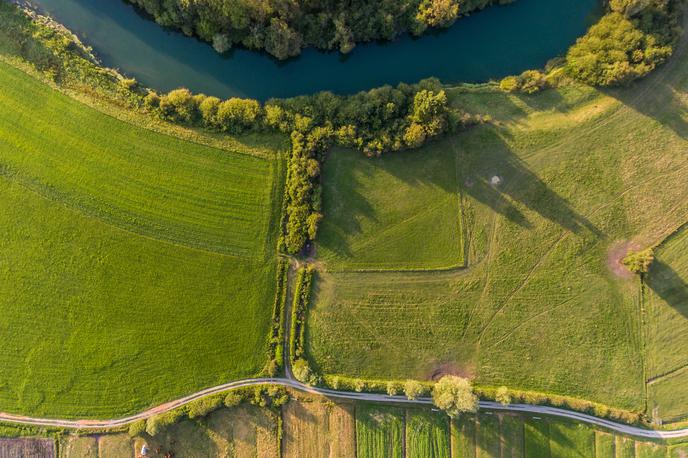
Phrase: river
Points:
(491, 44)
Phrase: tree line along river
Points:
(491, 44)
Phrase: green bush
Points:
(137, 428)
(204, 406)
(639, 262)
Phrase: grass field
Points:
(666, 299)
(125, 256)
(400, 211)
(542, 304)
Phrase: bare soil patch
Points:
(617, 251)
(449, 368)
(27, 448)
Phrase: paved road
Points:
(537, 410)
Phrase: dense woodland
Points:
(283, 28)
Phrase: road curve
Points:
(532, 409)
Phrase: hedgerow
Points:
(275, 342)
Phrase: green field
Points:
(666, 299)
(540, 305)
(134, 267)
(379, 431)
(427, 434)
(397, 212)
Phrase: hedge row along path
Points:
(368, 397)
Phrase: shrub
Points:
(302, 371)
(639, 262)
(233, 399)
(137, 428)
(237, 115)
(203, 407)
(454, 395)
(393, 388)
(359, 385)
(179, 106)
(158, 423)
(413, 389)
(503, 396)
(510, 84)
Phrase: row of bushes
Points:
(414, 389)
(270, 396)
(275, 343)
(377, 121)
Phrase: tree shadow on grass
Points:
(667, 284)
(493, 175)
(482, 166)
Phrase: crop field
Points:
(666, 300)
(427, 434)
(27, 447)
(400, 211)
(543, 303)
(379, 431)
(124, 256)
(315, 428)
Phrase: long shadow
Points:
(666, 283)
(487, 170)
(492, 174)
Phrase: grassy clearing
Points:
(624, 447)
(427, 434)
(538, 306)
(666, 299)
(400, 211)
(103, 226)
(379, 431)
(317, 428)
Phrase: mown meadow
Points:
(583, 175)
(134, 267)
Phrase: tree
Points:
(503, 396)
(179, 106)
(438, 13)
(236, 115)
(639, 262)
(208, 108)
(413, 389)
(454, 395)
(617, 50)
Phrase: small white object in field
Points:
(495, 181)
(144, 450)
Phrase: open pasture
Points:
(542, 304)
